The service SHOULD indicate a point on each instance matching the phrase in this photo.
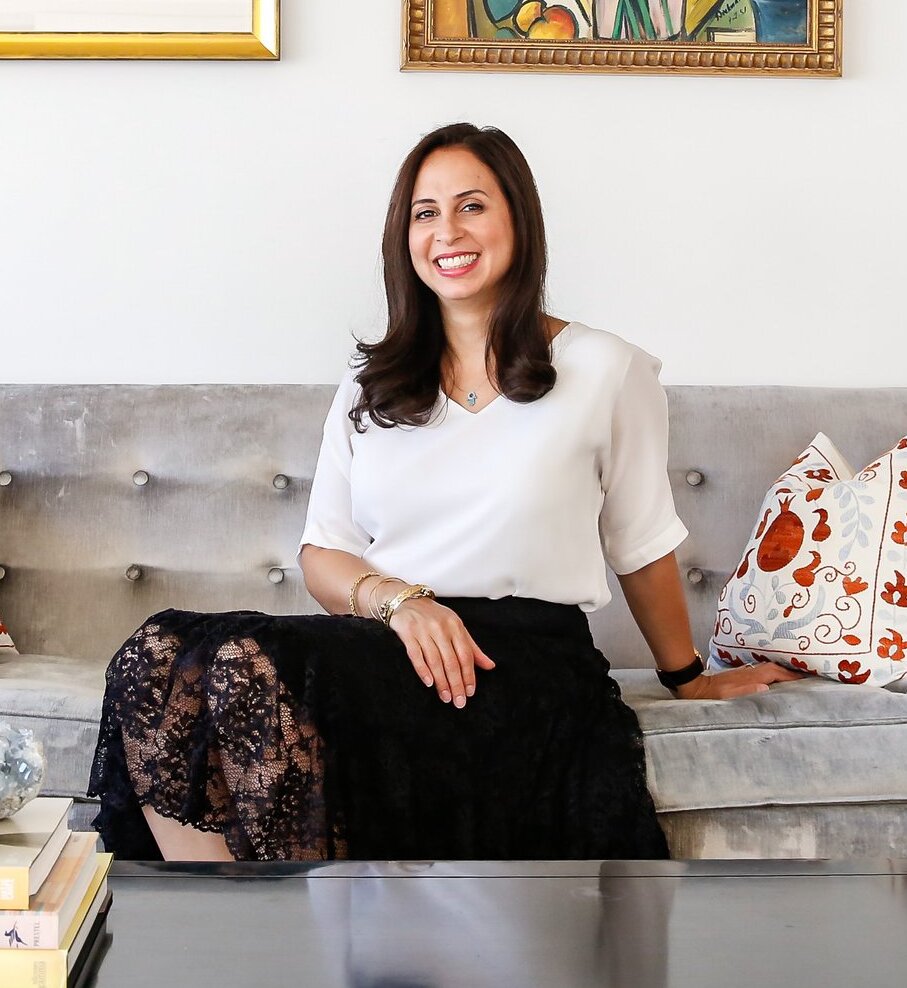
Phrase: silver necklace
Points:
(471, 396)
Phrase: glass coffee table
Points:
(727, 924)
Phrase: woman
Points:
(462, 711)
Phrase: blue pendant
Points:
(472, 398)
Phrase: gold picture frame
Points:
(260, 41)
(467, 35)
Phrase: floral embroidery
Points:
(731, 660)
(894, 647)
(896, 593)
(849, 672)
(822, 530)
(815, 587)
(806, 575)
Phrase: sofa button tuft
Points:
(6, 478)
(695, 574)
(134, 573)
(695, 478)
(275, 574)
(281, 481)
(140, 478)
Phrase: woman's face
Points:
(460, 230)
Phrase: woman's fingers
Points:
(417, 658)
(462, 646)
(440, 649)
(454, 672)
(435, 662)
(779, 674)
(482, 660)
(737, 682)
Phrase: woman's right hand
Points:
(440, 648)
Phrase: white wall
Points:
(171, 222)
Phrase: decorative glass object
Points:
(21, 769)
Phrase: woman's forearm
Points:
(654, 595)
(330, 573)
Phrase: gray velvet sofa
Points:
(119, 501)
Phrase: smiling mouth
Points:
(456, 262)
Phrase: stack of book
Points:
(53, 898)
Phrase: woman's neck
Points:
(466, 333)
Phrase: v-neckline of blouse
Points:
(557, 344)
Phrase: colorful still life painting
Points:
(767, 22)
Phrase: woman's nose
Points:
(448, 230)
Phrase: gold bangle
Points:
(354, 610)
(373, 606)
(387, 610)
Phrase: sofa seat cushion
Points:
(813, 741)
(781, 748)
(59, 699)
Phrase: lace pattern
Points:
(222, 746)
(311, 738)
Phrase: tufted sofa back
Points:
(117, 501)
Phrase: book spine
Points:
(30, 931)
(13, 888)
(33, 969)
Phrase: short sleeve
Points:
(329, 520)
(638, 523)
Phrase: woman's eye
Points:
(423, 214)
(472, 207)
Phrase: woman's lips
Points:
(458, 271)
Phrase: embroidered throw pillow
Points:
(822, 585)
(6, 643)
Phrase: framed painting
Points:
(140, 29)
(755, 37)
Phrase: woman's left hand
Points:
(737, 682)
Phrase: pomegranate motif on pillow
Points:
(782, 541)
(822, 584)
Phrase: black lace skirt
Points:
(311, 737)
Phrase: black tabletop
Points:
(469, 925)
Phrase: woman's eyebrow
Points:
(459, 195)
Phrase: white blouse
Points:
(524, 500)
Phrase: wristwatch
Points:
(680, 677)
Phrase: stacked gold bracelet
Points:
(384, 612)
(373, 605)
(354, 610)
(387, 610)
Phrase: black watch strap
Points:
(680, 677)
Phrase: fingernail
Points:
(460, 702)
(445, 696)
(428, 681)
(470, 691)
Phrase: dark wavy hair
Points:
(400, 375)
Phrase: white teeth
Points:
(461, 261)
